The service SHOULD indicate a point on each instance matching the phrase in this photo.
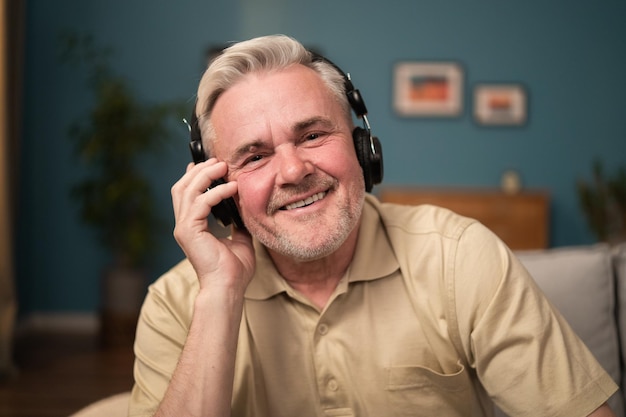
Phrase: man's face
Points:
(288, 144)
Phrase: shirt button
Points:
(333, 385)
(322, 329)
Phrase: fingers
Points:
(201, 206)
(199, 176)
(194, 184)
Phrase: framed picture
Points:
(428, 89)
(500, 104)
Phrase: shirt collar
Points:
(373, 259)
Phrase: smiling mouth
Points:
(306, 202)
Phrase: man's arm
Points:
(202, 382)
(203, 379)
(603, 411)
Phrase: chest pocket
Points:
(416, 390)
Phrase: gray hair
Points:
(265, 53)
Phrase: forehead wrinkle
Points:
(252, 144)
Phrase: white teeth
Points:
(306, 201)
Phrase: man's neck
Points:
(317, 279)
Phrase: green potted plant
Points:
(603, 200)
(114, 196)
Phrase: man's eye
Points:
(312, 136)
(254, 158)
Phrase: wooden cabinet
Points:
(521, 220)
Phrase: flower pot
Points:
(123, 291)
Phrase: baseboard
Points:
(59, 322)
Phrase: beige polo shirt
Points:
(435, 317)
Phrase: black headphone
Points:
(368, 150)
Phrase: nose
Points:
(293, 166)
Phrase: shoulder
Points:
(450, 246)
(173, 293)
(438, 240)
(179, 280)
(424, 219)
(182, 270)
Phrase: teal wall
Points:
(570, 54)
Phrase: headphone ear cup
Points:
(376, 161)
(225, 211)
(371, 162)
(361, 140)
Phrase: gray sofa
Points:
(587, 284)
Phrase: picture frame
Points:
(428, 89)
(500, 104)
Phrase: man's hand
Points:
(218, 262)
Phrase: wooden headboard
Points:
(521, 220)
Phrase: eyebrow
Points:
(305, 124)
(246, 148)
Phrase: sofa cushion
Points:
(579, 281)
(619, 263)
(112, 406)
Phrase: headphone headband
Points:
(354, 95)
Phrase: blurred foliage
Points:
(603, 200)
(115, 197)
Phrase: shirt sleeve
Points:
(161, 334)
(525, 354)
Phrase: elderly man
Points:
(325, 302)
